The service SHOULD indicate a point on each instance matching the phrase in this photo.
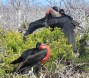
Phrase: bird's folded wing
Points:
(23, 56)
(34, 59)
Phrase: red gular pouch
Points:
(44, 46)
(48, 11)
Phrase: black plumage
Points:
(24, 55)
(30, 57)
(64, 22)
(35, 25)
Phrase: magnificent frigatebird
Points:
(33, 56)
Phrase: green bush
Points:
(84, 51)
(13, 45)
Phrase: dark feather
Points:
(33, 59)
(24, 55)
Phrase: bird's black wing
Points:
(35, 25)
(33, 59)
(23, 56)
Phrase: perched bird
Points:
(33, 56)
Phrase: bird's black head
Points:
(61, 11)
(38, 45)
(56, 8)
